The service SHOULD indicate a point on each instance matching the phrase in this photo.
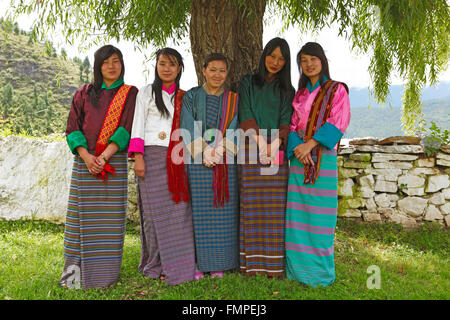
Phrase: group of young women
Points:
(201, 211)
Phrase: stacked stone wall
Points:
(397, 183)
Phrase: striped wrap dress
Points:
(215, 228)
(96, 212)
(262, 190)
(167, 239)
(311, 210)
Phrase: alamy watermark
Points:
(233, 142)
(374, 281)
(74, 280)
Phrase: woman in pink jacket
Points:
(321, 116)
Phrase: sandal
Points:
(217, 274)
(198, 275)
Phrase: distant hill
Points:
(359, 98)
(36, 83)
(384, 122)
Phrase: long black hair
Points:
(284, 75)
(312, 49)
(101, 55)
(157, 83)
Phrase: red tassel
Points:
(220, 184)
(104, 174)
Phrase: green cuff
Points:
(121, 137)
(76, 139)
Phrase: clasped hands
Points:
(303, 152)
(268, 152)
(213, 156)
(94, 164)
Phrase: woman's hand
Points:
(209, 157)
(91, 163)
(139, 164)
(303, 152)
(264, 150)
(307, 160)
(218, 154)
(273, 148)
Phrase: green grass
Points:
(413, 264)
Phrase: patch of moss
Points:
(363, 157)
(344, 173)
(351, 203)
(357, 164)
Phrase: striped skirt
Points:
(215, 229)
(262, 213)
(95, 225)
(167, 240)
(311, 216)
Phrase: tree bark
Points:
(225, 27)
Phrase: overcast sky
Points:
(344, 65)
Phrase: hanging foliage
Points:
(409, 37)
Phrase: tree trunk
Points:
(225, 27)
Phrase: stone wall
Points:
(397, 183)
(376, 182)
(34, 178)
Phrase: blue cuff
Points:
(293, 141)
(121, 137)
(328, 135)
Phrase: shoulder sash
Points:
(176, 175)
(110, 124)
(112, 118)
(229, 109)
(318, 115)
(220, 183)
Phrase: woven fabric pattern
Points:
(262, 219)
(95, 224)
(216, 229)
(167, 239)
(311, 217)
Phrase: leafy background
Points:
(37, 82)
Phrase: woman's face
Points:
(215, 74)
(168, 69)
(111, 68)
(311, 66)
(275, 61)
